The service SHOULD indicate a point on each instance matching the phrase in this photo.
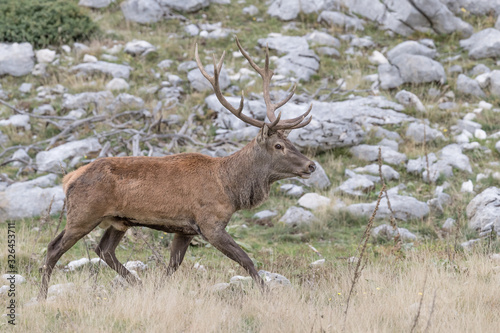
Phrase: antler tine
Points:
(200, 66)
(214, 80)
(295, 122)
(247, 57)
(266, 75)
(305, 123)
(275, 122)
(284, 101)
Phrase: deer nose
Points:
(312, 167)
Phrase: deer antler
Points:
(275, 121)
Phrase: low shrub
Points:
(44, 22)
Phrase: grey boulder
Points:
(142, 11)
(83, 100)
(408, 16)
(16, 59)
(387, 172)
(411, 47)
(415, 131)
(53, 159)
(469, 86)
(483, 44)
(287, 10)
(108, 68)
(387, 232)
(405, 208)
(297, 216)
(484, 210)
(31, 198)
(95, 3)
(188, 6)
(370, 153)
(341, 20)
(409, 99)
(419, 69)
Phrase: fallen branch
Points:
(16, 110)
(71, 127)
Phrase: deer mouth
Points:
(304, 175)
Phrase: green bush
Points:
(44, 22)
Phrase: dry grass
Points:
(387, 300)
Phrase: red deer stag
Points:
(186, 194)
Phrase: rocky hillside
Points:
(418, 79)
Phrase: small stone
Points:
(410, 100)
(45, 109)
(497, 146)
(467, 187)
(199, 267)
(89, 58)
(75, 264)
(250, 10)
(192, 29)
(455, 69)
(13, 278)
(485, 105)
(297, 216)
(447, 105)
(139, 47)
(480, 134)
(59, 289)
(45, 56)
(415, 131)
(314, 201)
(328, 51)
(265, 214)
(25, 88)
(274, 279)
(165, 64)
(469, 244)
(117, 84)
(292, 190)
(98, 261)
(449, 224)
(378, 58)
(136, 265)
(469, 86)
(319, 262)
(220, 287)
(386, 231)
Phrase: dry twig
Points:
(361, 250)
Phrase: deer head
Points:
(275, 149)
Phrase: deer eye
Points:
(278, 146)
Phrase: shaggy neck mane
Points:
(246, 176)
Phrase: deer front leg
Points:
(223, 242)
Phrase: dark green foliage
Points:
(44, 22)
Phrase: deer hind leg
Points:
(106, 251)
(177, 251)
(223, 242)
(57, 247)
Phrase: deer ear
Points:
(263, 134)
(285, 133)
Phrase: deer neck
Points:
(246, 176)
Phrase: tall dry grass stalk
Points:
(360, 265)
(392, 219)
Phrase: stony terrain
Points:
(417, 80)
